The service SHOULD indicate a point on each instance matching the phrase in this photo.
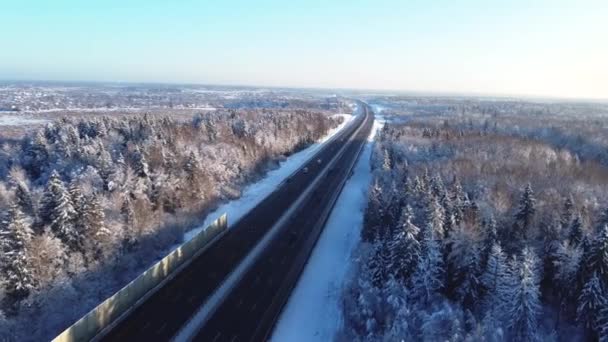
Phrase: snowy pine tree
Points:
(387, 164)
(130, 222)
(566, 265)
(602, 323)
(551, 237)
(436, 186)
(405, 247)
(459, 201)
(435, 218)
(93, 225)
(380, 263)
(106, 168)
(567, 213)
(449, 219)
(590, 302)
(575, 231)
(602, 222)
(525, 212)
(194, 177)
(597, 258)
(522, 297)
(489, 240)
(37, 155)
(76, 196)
(463, 265)
(14, 233)
(140, 163)
(58, 212)
(429, 277)
(373, 213)
(494, 275)
(23, 198)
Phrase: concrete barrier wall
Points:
(105, 313)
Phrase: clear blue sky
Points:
(548, 48)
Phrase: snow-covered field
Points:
(16, 120)
(255, 193)
(112, 109)
(313, 310)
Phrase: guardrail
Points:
(112, 308)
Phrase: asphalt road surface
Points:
(252, 308)
(165, 311)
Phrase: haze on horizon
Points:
(534, 48)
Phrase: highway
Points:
(164, 312)
(250, 310)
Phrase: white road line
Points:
(189, 330)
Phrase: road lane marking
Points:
(196, 322)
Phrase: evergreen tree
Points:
(429, 277)
(596, 260)
(194, 177)
(76, 196)
(436, 186)
(449, 219)
(602, 323)
(168, 158)
(14, 233)
(522, 295)
(380, 263)
(78, 222)
(463, 262)
(567, 213)
(373, 213)
(105, 167)
(127, 211)
(426, 179)
(192, 165)
(93, 225)
(489, 240)
(494, 275)
(419, 185)
(435, 218)
(603, 221)
(37, 155)
(23, 198)
(566, 265)
(130, 221)
(575, 234)
(590, 302)
(525, 212)
(469, 288)
(58, 211)
(387, 164)
(459, 201)
(140, 163)
(405, 247)
(551, 239)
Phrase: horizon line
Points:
(381, 91)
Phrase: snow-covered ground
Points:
(256, 192)
(313, 310)
(16, 120)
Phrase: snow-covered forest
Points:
(87, 204)
(483, 225)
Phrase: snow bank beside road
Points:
(256, 192)
(313, 310)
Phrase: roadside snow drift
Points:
(312, 312)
